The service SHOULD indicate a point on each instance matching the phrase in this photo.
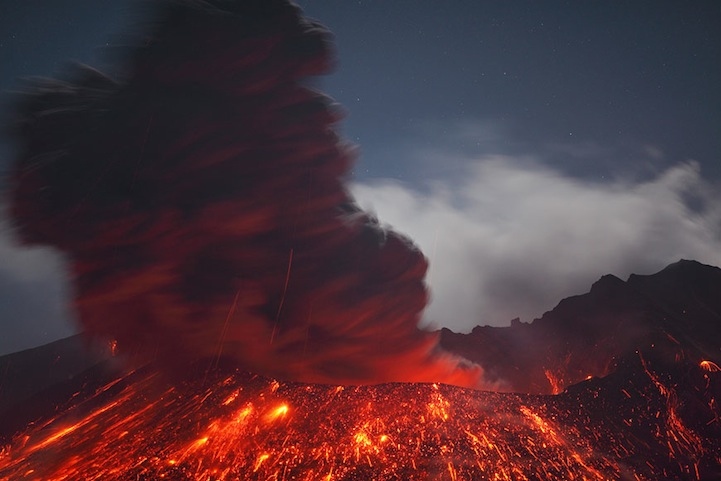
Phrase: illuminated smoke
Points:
(201, 201)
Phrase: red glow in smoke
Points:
(201, 200)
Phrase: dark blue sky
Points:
(529, 147)
(612, 79)
(621, 76)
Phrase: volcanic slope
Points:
(675, 312)
(646, 421)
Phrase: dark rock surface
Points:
(674, 313)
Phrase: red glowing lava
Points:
(228, 425)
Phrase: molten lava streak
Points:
(229, 425)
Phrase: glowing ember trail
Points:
(710, 366)
(240, 426)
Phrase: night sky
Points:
(528, 147)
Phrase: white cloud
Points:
(514, 237)
(34, 297)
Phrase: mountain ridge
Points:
(676, 310)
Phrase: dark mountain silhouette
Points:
(25, 373)
(37, 382)
(674, 313)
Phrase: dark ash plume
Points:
(201, 201)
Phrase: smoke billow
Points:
(200, 198)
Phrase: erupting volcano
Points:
(267, 326)
(648, 420)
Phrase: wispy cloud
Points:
(514, 237)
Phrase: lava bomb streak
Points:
(200, 198)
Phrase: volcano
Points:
(257, 324)
(653, 415)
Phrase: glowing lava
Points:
(233, 425)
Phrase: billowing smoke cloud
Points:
(201, 203)
(514, 237)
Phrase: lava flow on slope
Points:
(640, 423)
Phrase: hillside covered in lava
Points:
(648, 420)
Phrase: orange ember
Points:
(709, 366)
